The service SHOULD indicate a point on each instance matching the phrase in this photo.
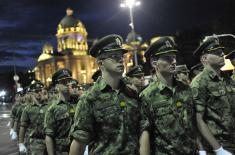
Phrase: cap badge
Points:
(168, 44)
(118, 42)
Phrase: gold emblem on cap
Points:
(168, 44)
(65, 71)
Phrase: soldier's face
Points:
(62, 86)
(38, 95)
(73, 89)
(216, 58)
(43, 95)
(114, 63)
(165, 64)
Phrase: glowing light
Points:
(2, 93)
(130, 3)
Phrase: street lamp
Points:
(131, 4)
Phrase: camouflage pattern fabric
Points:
(215, 99)
(57, 124)
(32, 119)
(38, 146)
(14, 110)
(168, 115)
(108, 120)
(19, 112)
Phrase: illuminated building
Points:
(71, 53)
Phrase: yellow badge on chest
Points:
(179, 104)
(122, 104)
(71, 110)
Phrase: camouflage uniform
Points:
(108, 120)
(32, 119)
(168, 116)
(215, 98)
(14, 111)
(57, 124)
(19, 112)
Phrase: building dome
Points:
(71, 35)
(69, 21)
(47, 51)
(47, 48)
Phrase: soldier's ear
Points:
(203, 58)
(153, 64)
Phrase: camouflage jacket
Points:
(108, 120)
(168, 114)
(57, 123)
(215, 99)
(19, 112)
(14, 109)
(32, 119)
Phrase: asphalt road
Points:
(7, 147)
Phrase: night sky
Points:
(25, 25)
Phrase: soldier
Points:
(75, 91)
(59, 117)
(136, 78)
(214, 96)
(53, 94)
(23, 103)
(107, 116)
(13, 134)
(32, 120)
(167, 106)
(182, 74)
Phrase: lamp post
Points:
(131, 4)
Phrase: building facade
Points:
(71, 52)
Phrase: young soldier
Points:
(167, 107)
(32, 120)
(59, 117)
(182, 74)
(214, 96)
(136, 78)
(107, 116)
(16, 105)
